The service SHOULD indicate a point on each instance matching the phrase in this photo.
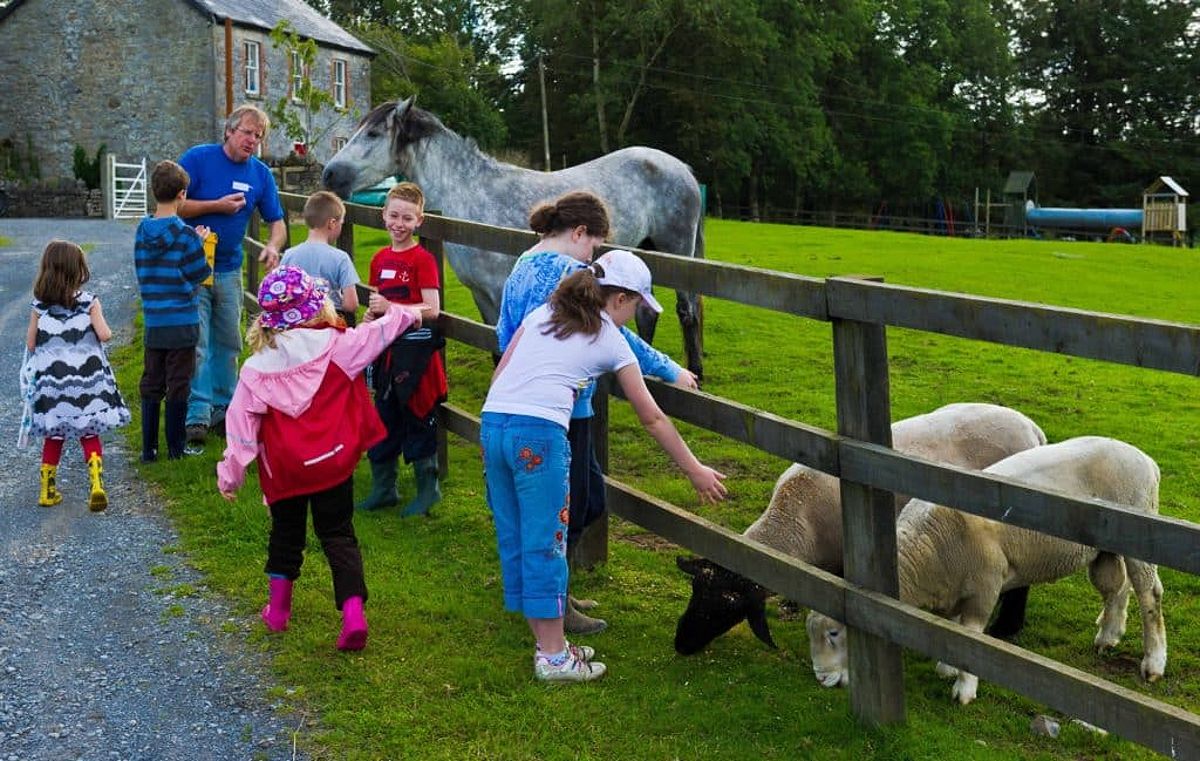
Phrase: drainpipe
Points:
(228, 66)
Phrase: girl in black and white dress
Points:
(68, 385)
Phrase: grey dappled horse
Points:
(652, 197)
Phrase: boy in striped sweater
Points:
(168, 257)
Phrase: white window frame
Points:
(339, 82)
(297, 67)
(339, 142)
(252, 67)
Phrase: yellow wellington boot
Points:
(98, 499)
(49, 494)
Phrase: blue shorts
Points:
(526, 465)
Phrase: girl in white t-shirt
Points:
(559, 350)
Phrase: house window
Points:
(339, 83)
(297, 76)
(339, 142)
(252, 68)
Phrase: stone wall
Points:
(51, 198)
(294, 178)
(136, 75)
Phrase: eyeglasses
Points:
(253, 134)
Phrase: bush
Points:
(17, 162)
(86, 169)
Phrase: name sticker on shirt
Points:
(241, 186)
(387, 274)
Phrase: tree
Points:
(296, 110)
(446, 78)
(1111, 94)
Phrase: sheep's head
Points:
(721, 599)
(827, 646)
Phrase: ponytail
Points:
(577, 303)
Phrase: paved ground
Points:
(91, 664)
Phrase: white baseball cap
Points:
(624, 270)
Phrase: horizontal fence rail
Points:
(1096, 523)
(859, 310)
(1155, 344)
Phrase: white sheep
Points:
(956, 564)
(804, 518)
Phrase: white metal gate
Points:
(126, 188)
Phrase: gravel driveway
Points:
(97, 659)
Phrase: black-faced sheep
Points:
(956, 564)
(804, 518)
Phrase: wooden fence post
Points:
(253, 231)
(592, 547)
(345, 240)
(437, 247)
(868, 515)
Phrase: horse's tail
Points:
(698, 250)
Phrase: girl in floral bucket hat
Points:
(289, 297)
(301, 411)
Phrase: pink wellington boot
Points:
(277, 612)
(354, 626)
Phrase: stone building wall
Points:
(136, 75)
(144, 77)
(274, 84)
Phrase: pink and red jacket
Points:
(301, 410)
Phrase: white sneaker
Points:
(582, 652)
(575, 668)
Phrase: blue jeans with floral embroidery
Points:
(526, 465)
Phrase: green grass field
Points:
(447, 673)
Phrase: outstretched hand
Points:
(687, 379)
(707, 483)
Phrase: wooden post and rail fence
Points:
(859, 453)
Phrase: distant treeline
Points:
(839, 105)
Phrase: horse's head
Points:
(375, 150)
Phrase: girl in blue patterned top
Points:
(571, 227)
(68, 384)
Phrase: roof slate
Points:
(266, 14)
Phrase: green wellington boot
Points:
(429, 491)
(383, 486)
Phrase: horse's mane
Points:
(419, 123)
(377, 115)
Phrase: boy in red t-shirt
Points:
(409, 377)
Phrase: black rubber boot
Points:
(149, 430)
(176, 425)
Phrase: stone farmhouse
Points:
(149, 78)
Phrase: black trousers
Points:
(407, 435)
(167, 374)
(586, 480)
(332, 515)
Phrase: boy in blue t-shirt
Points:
(324, 214)
(168, 257)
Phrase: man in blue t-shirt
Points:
(228, 183)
